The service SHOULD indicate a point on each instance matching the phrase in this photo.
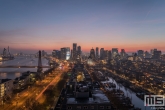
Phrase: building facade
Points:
(6, 89)
(97, 53)
(114, 52)
(102, 54)
(74, 51)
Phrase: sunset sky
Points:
(32, 25)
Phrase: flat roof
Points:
(98, 98)
(4, 80)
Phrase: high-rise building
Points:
(152, 51)
(74, 51)
(79, 50)
(122, 53)
(67, 53)
(114, 52)
(147, 54)
(106, 55)
(157, 55)
(109, 55)
(97, 52)
(63, 53)
(92, 53)
(56, 54)
(71, 55)
(102, 54)
(141, 53)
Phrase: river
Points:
(127, 92)
(12, 73)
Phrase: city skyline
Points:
(131, 25)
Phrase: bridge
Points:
(24, 66)
(39, 66)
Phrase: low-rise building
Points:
(82, 95)
(6, 89)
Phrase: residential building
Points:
(6, 88)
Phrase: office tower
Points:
(71, 55)
(109, 55)
(56, 54)
(59, 54)
(102, 54)
(67, 53)
(105, 54)
(97, 53)
(152, 51)
(63, 53)
(79, 50)
(122, 53)
(140, 53)
(114, 52)
(74, 51)
(147, 54)
(156, 54)
(135, 58)
(92, 53)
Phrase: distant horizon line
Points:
(163, 52)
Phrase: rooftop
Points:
(4, 80)
(97, 97)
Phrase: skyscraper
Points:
(109, 55)
(67, 53)
(63, 53)
(74, 50)
(102, 54)
(141, 53)
(157, 55)
(147, 54)
(79, 50)
(122, 54)
(71, 55)
(92, 53)
(105, 54)
(97, 52)
(152, 51)
(114, 52)
(56, 54)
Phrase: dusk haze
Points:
(82, 54)
(28, 26)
